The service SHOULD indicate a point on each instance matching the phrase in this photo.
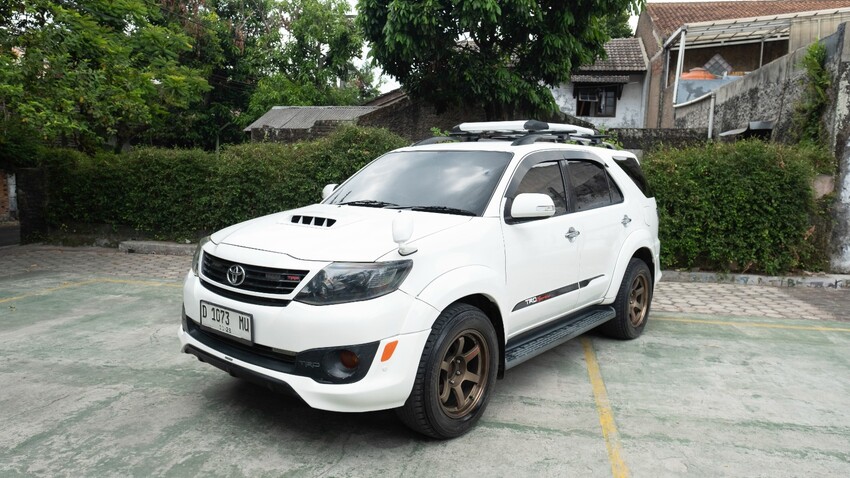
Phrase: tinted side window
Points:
(545, 178)
(632, 168)
(590, 184)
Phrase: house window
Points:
(596, 101)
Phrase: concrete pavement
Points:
(728, 380)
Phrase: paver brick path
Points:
(696, 298)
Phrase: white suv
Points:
(425, 276)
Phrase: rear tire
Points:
(456, 374)
(632, 304)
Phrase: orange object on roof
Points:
(698, 74)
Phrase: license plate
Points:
(229, 322)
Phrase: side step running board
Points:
(548, 337)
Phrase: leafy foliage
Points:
(307, 58)
(745, 206)
(188, 73)
(808, 118)
(177, 194)
(503, 55)
(80, 72)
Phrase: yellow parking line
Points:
(815, 328)
(606, 415)
(68, 285)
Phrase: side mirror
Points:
(328, 190)
(532, 205)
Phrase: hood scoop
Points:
(314, 221)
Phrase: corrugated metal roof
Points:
(304, 117)
(718, 32)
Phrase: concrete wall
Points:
(771, 94)
(839, 120)
(638, 139)
(630, 106)
(768, 94)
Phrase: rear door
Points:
(601, 217)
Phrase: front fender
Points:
(458, 283)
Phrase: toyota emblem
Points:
(236, 275)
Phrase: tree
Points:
(84, 73)
(256, 54)
(617, 25)
(308, 59)
(502, 55)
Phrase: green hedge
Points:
(177, 194)
(745, 206)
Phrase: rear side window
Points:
(633, 170)
(591, 185)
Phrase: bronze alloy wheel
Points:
(638, 300)
(464, 373)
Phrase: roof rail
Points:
(437, 140)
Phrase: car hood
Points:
(332, 233)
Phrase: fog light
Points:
(349, 359)
(340, 364)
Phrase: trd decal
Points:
(554, 293)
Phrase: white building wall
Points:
(630, 106)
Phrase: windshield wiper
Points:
(368, 203)
(444, 209)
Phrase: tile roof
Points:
(668, 17)
(624, 54)
(304, 117)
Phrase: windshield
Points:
(453, 182)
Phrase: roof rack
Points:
(522, 132)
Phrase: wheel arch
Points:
(474, 285)
(638, 246)
(491, 310)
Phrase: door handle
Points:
(572, 234)
(626, 220)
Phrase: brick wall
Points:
(414, 120)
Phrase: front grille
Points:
(266, 280)
(247, 298)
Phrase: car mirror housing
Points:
(532, 205)
(328, 190)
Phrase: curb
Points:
(157, 247)
(817, 280)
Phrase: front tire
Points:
(632, 304)
(456, 374)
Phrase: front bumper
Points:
(385, 385)
(288, 343)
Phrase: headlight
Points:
(352, 281)
(196, 258)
